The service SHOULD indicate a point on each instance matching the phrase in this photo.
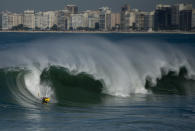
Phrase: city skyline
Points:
(115, 5)
(164, 17)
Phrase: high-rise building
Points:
(146, 25)
(105, 18)
(29, 19)
(5, 20)
(45, 20)
(77, 21)
(73, 9)
(9, 20)
(63, 20)
(185, 20)
(18, 19)
(125, 17)
(162, 17)
(131, 20)
(175, 16)
(141, 20)
(0, 20)
(85, 18)
(151, 21)
(193, 19)
(115, 21)
(93, 19)
(52, 18)
(185, 17)
(38, 20)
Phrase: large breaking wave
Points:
(74, 71)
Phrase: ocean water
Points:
(143, 82)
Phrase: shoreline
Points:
(103, 32)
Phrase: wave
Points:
(85, 70)
(172, 83)
(24, 87)
(72, 86)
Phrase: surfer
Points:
(45, 100)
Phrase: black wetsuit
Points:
(43, 101)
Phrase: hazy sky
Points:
(20, 5)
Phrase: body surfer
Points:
(45, 100)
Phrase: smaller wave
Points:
(172, 82)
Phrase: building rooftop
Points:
(160, 6)
(29, 11)
(72, 5)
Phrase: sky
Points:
(115, 5)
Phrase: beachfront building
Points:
(131, 25)
(125, 17)
(175, 16)
(151, 21)
(93, 19)
(185, 17)
(105, 19)
(29, 19)
(185, 20)
(5, 20)
(193, 19)
(52, 18)
(77, 21)
(10, 20)
(39, 21)
(144, 21)
(63, 20)
(85, 19)
(141, 20)
(138, 20)
(73, 9)
(17, 19)
(131, 19)
(115, 21)
(162, 17)
(45, 20)
(0, 20)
